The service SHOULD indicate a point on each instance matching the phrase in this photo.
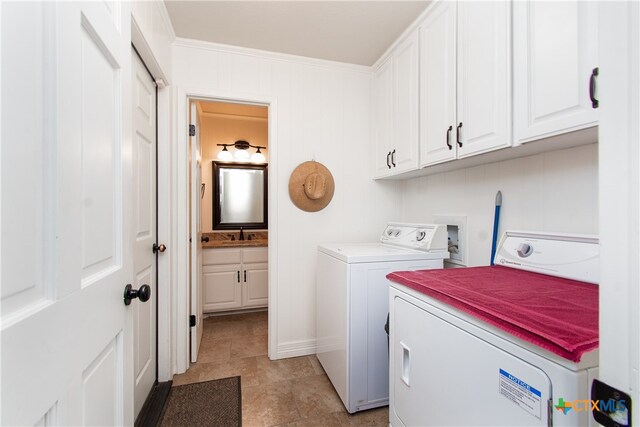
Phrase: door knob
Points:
(159, 247)
(144, 293)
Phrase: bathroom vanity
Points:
(234, 272)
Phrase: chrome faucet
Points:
(241, 234)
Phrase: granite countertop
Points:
(231, 239)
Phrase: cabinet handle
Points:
(592, 88)
(238, 276)
(449, 138)
(393, 157)
(458, 132)
(388, 154)
(245, 276)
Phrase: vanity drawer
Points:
(221, 256)
(260, 254)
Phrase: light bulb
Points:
(258, 157)
(241, 155)
(225, 155)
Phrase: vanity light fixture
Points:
(242, 153)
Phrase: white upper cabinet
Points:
(555, 54)
(396, 110)
(438, 85)
(383, 117)
(484, 77)
(404, 145)
(465, 94)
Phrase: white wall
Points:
(323, 112)
(554, 191)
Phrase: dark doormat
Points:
(210, 403)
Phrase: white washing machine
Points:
(457, 359)
(353, 304)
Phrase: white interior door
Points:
(144, 202)
(196, 234)
(66, 213)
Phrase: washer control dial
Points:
(420, 235)
(524, 250)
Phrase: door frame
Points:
(180, 210)
(165, 362)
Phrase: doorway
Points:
(228, 145)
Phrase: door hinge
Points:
(192, 320)
(192, 130)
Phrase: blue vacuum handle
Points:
(496, 223)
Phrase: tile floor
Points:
(287, 392)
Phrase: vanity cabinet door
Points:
(222, 287)
(235, 278)
(255, 285)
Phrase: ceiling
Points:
(356, 32)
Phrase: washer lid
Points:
(352, 253)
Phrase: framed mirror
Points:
(239, 196)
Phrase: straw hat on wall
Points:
(311, 186)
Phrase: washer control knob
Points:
(524, 250)
(389, 232)
(420, 235)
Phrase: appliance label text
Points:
(520, 393)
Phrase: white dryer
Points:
(458, 359)
(353, 304)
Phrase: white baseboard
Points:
(294, 349)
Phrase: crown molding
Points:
(164, 13)
(265, 54)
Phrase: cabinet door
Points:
(438, 85)
(404, 143)
(222, 289)
(484, 106)
(383, 117)
(555, 51)
(255, 285)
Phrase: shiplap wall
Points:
(554, 191)
(323, 112)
